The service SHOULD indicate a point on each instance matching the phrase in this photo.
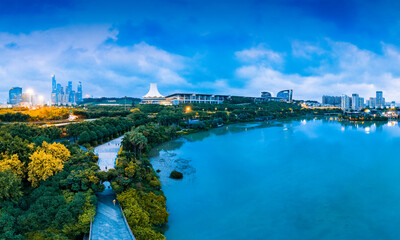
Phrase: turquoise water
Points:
(307, 179)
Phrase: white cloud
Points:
(348, 70)
(305, 49)
(259, 54)
(83, 54)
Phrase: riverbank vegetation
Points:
(48, 188)
(48, 183)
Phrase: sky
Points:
(117, 48)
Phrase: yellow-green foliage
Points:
(143, 211)
(12, 163)
(47, 161)
(130, 170)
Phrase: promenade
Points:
(109, 222)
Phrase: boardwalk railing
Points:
(126, 223)
(90, 229)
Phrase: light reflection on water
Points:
(319, 180)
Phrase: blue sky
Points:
(116, 48)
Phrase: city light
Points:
(30, 91)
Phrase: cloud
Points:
(259, 54)
(306, 50)
(87, 54)
(348, 69)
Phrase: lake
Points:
(300, 179)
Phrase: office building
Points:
(285, 95)
(65, 96)
(266, 94)
(380, 101)
(180, 98)
(345, 102)
(331, 100)
(79, 97)
(355, 101)
(361, 103)
(15, 96)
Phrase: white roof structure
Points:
(153, 92)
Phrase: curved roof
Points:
(153, 92)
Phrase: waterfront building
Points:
(331, 100)
(372, 102)
(345, 102)
(355, 101)
(266, 95)
(380, 101)
(79, 97)
(154, 96)
(15, 96)
(285, 95)
(181, 98)
(361, 103)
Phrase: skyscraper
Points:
(361, 102)
(15, 96)
(345, 102)
(53, 89)
(355, 101)
(380, 102)
(372, 102)
(79, 93)
(59, 94)
(53, 83)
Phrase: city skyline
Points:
(313, 47)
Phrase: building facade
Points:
(355, 101)
(181, 98)
(266, 95)
(65, 96)
(345, 102)
(15, 96)
(380, 101)
(331, 100)
(285, 95)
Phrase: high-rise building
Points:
(331, 100)
(372, 102)
(15, 96)
(53, 83)
(53, 98)
(70, 93)
(355, 101)
(361, 102)
(79, 97)
(345, 102)
(380, 101)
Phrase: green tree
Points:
(84, 137)
(10, 186)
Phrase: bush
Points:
(176, 175)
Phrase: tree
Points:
(47, 161)
(10, 186)
(12, 163)
(84, 137)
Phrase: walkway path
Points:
(109, 222)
